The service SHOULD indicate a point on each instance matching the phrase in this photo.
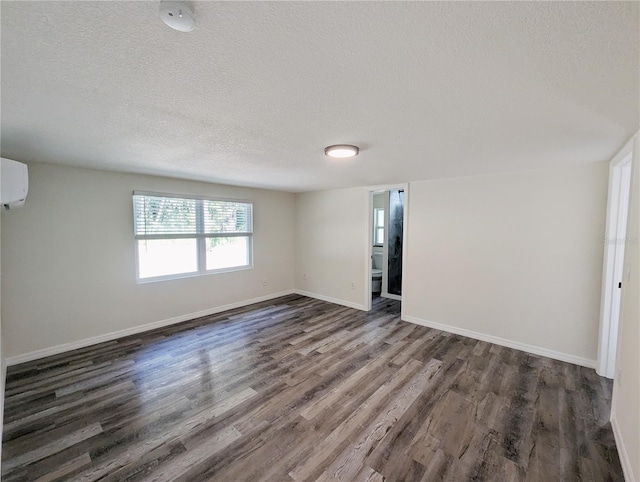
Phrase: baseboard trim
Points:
(329, 299)
(535, 350)
(391, 297)
(625, 461)
(56, 350)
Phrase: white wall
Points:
(625, 410)
(68, 269)
(331, 235)
(514, 256)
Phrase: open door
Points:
(394, 242)
(617, 210)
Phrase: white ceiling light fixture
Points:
(341, 151)
(178, 16)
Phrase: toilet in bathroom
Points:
(376, 272)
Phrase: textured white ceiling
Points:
(258, 89)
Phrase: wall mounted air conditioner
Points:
(14, 183)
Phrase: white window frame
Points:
(200, 238)
(377, 227)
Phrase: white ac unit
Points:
(14, 183)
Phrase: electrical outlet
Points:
(353, 286)
(264, 282)
(304, 276)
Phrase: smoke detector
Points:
(178, 16)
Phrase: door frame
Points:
(371, 190)
(613, 265)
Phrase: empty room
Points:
(320, 241)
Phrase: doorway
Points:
(612, 279)
(386, 243)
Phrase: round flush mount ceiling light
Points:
(341, 151)
(178, 16)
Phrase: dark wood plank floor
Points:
(301, 390)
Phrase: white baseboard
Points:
(536, 350)
(349, 304)
(391, 297)
(55, 350)
(625, 461)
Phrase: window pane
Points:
(227, 252)
(379, 236)
(162, 257)
(227, 217)
(164, 215)
(379, 217)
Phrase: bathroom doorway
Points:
(386, 243)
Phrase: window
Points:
(188, 236)
(378, 226)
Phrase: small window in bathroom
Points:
(378, 226)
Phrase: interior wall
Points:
(515, 256)
(69, 267)
(626, 385)
(330, 237)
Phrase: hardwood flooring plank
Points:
(399, 438)
(67, 468)
(342, 435)
(346, 466)
(193, 456)
(367, 474)
(52, 447)
(268, 461)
